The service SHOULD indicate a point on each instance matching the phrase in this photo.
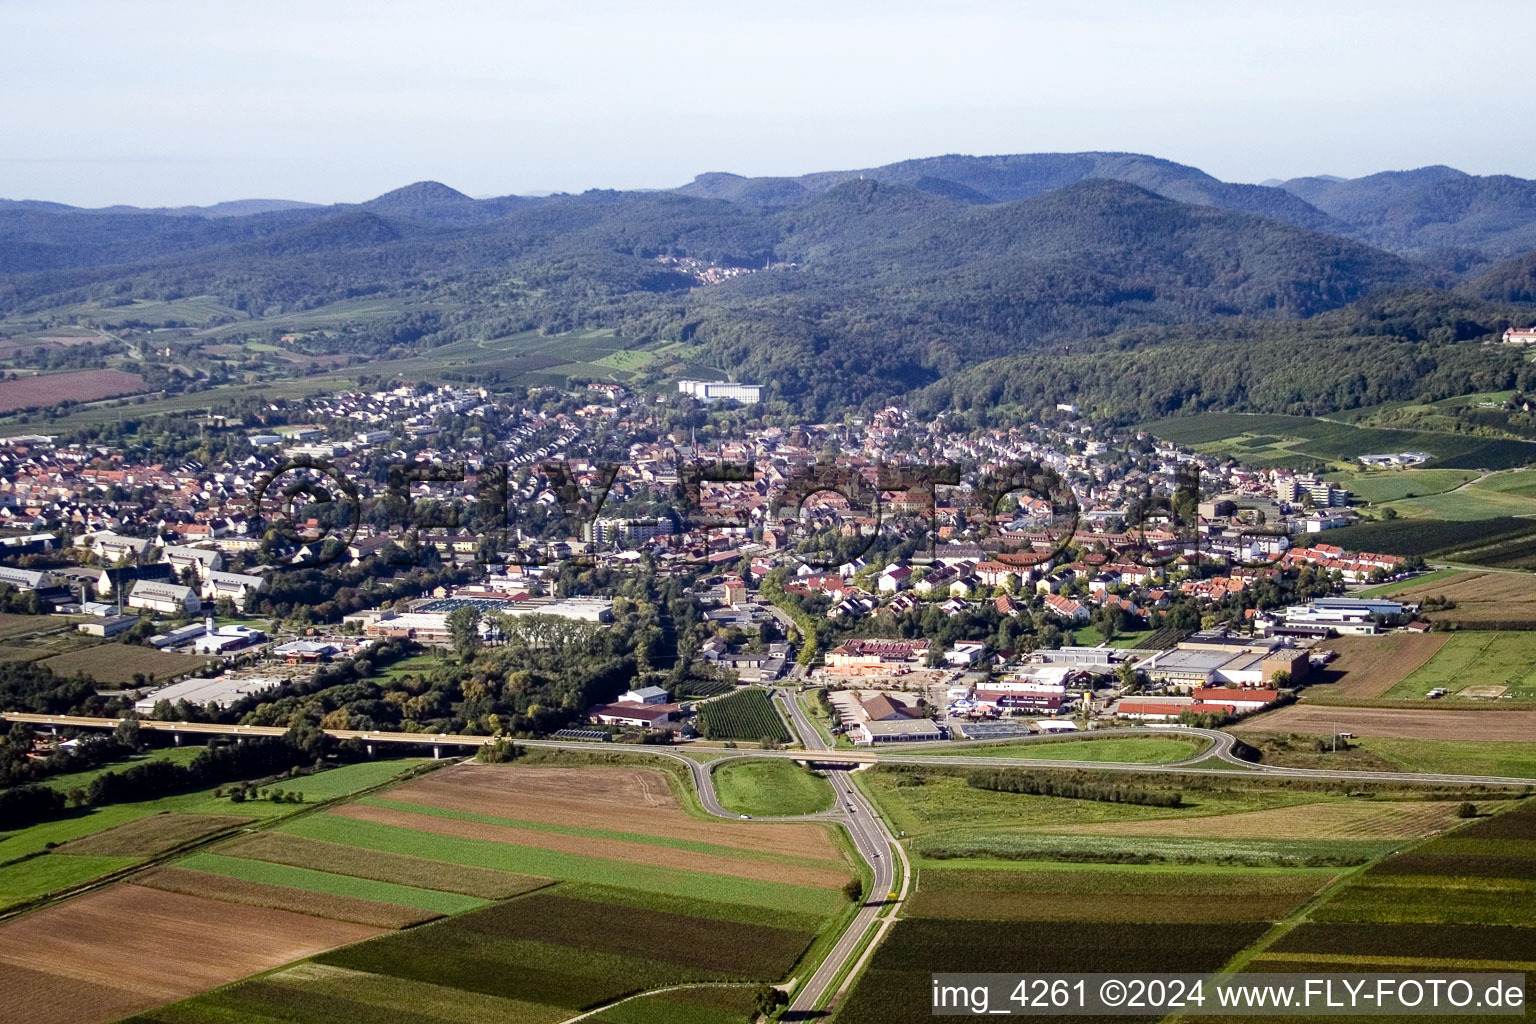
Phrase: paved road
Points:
(874, 843)
(871, 837)
(1221, 748)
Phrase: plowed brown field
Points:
(127, 948)
(618, 799)
(1369, 666)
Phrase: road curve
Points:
(874, 842)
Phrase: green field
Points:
(1505, 659)
(769, 789)
(1466, 504)
(1464, 899)
(1388, 589)
(671, 842)
(28, 870)
(1303, 440)
(1456, 757)
(1129, 750)
(943, 805)
(526, 860)
(327, 882)
(1377, 486)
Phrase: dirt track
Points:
(127, 948)
(1394, 723)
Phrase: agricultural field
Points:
(606, 886)
(72, 386)
(15, 626)
(1060, 892)
(1304, 441)
(1128, 750)
(533, 960)
(1463, 900)
(64, 964)
(1396, 723)
(747, 714)
(1140, 888)
(1359, 820)
(152, 836)
(117, 664)
(1483, 599)
(1412, 583)
(1369, 666)
(1499, 542)
(770, 789)
(54, 855)
(895, 987)
(1383, 485)
(1477, 666)
(1370, 753)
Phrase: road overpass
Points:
(1221, 749)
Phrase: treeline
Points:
(256, 757)
(31, 687)
(17, 766)
(1003, 780)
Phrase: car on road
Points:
(744, 817)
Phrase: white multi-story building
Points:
(1520, 336)
(714, 391)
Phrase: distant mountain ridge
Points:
(1455, 221)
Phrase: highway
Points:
(1220, 749)
(873, 840)
(870, 835)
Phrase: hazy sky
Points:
(163, 102)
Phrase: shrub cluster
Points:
(1005, 781)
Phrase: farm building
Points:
(166, 598)
(644, 695)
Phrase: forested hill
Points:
(848, 289)
(997, 179)
(1430, 209)
(1412, 346)
(896, 287)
